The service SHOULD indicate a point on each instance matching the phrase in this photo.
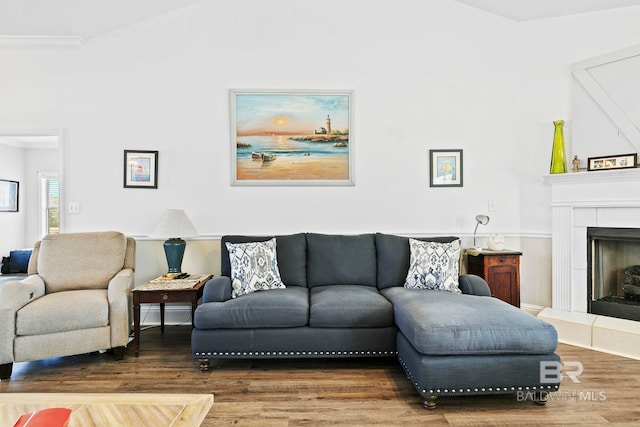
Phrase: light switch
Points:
(73, 207)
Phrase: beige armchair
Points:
(76, 299)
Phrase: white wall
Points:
(426, 75)
(436, 79)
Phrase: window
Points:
(49, 203)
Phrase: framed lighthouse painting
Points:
(291, 137)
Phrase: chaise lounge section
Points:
(351, 296)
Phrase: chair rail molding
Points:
(41, 42)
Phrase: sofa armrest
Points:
(474, 285)
(119, 296)
(217, 289)
(14, 296)
(17, 294)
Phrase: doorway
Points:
(31, 156)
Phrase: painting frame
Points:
(620, 161)
(445, 168)
(9, 195)
(140, 169)
(303, 137)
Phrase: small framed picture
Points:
(621, 161)
(9, 195)
(140, 169)
(445, 168)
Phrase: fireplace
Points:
(581, 203)
(613, 272)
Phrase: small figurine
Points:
(576, 163)
(495, 242)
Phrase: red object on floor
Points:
(51, 417)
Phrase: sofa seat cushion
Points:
(444, 323)
(86, 309)
(275, 308)
(349, 306)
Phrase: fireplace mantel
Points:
(607, 188)
(593, 176)
(606, 198)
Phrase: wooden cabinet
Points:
(500, 269)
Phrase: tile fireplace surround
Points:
(579, 200)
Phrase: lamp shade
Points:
(482, 219)
(174, 223)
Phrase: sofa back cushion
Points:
(291, 253)
(394, 256)
(341, 260)
(69, 261)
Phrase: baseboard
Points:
(174, 314)
(601, 333)
(531, 309)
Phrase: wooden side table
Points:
(500, 269)
(160, 291)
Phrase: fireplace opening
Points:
(613, 271)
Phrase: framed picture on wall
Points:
(445, 168)
(140, 169)
(9, 192)
(291, 137)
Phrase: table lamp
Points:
(480, 219)
(174, 225)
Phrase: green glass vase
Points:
(558, 159)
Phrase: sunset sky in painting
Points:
(289, 114)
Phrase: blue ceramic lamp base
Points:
(174, 250)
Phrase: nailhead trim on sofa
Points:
(477, 390)
(296, 353)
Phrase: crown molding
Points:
(41, 42)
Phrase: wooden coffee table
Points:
(166, 291)
(112, 409)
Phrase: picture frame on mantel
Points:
(291, 137)
(140, 169)
(620, 161)
(445, 168)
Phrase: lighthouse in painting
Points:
(328, 125)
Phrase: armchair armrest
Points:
(14, 296)
(119, 296)
(474, 285)
(217, 289)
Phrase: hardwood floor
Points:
(331, 392)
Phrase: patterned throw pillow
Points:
(434, 266)
(254, 267)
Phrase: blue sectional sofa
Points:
(345, 296)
